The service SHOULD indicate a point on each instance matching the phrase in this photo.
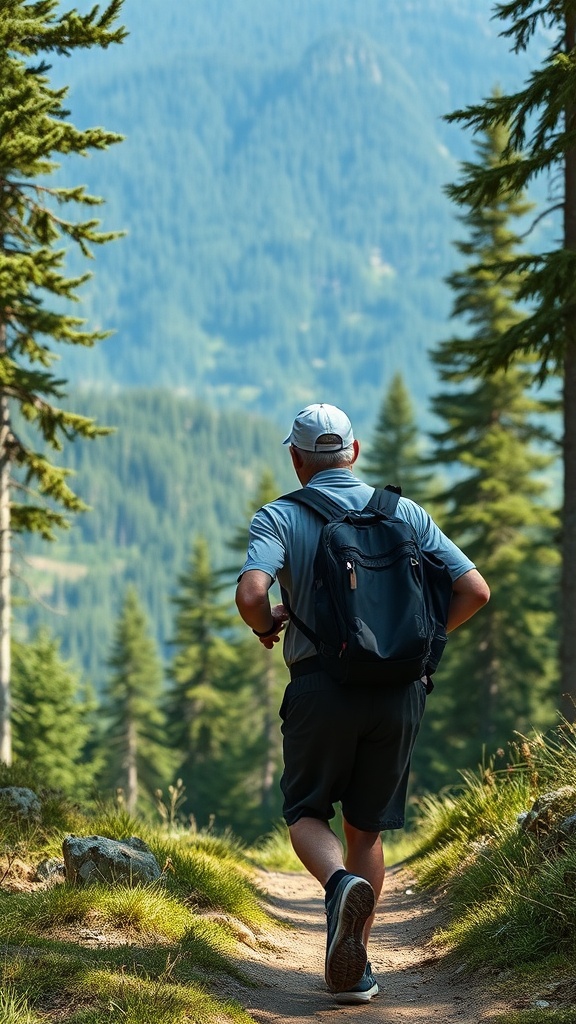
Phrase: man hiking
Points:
(343, 743)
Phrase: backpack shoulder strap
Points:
(328, 510)
(316, 500)
(385, 499)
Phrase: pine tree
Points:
(51, 716)
(498, 671)
(542, 120)
(202, 707)
(395, 454)
(135, 739)
(34, 289)
(265, 672)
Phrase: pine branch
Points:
(526, 21)
(37, 519)
(541, 216)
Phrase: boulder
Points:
(97, 859)
(552, 818)
(21, 802)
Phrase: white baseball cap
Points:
(314, 422)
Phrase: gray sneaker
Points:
(347, 913)
(363, 992)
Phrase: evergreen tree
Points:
(134, 742)
(498, 672)
(51, 716)
(203, 709)
(395, 455)
(266, 674)
(542, 119)
(34, 234)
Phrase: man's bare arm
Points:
(470, 592)
(253, 603)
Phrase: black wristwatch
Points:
(269, 632)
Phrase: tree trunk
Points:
(568, 591)
(270, 739)
(131, 768)
(5, 569)
(490, 699)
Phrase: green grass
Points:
(527, 913)
(14, 1009)
(145, 909)
(140, 983)
(206, 881)
(160, 1001)
(160, 959)
(511, 896)
(99, 994)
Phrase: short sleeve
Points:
(266, 550)
(432, 538)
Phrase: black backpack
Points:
(380, 602)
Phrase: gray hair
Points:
(320, 460)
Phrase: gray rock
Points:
(549, 810)
(568, 826)
(50, 870)
(97, 859)
(22, 802)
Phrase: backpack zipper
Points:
(352, 575)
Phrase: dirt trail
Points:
(415, 985)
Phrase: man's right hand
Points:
(279, 616)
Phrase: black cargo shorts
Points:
(349, 744)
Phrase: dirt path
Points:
(415, 985)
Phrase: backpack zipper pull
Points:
(352, 572)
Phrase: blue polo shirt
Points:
(284, 536)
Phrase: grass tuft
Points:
(14, 1009)
(144, 1001)
(207, 881)
(512, 897)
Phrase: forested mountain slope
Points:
(281, 185)
(174, 470)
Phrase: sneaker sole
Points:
(345, 998)
(346, 957)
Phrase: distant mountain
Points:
(174, 470)
(281, 184)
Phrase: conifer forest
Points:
(212, 215)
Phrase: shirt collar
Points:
(334, 477)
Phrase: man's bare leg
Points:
(321, 852)
(319, 849)
(365, 857)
